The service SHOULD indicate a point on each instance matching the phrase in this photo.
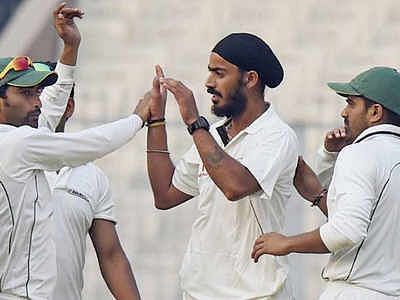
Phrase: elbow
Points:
(160, 204)
(233, 195)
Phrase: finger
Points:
(258, 254)
(159, 71)
(343, 132)
(256, 248)
(329, 134)
(168, 85)
(258, 241)
(336, 132)
(72, 13)
(156, 84)
(59, 8)
(169, 81)
(147, 96)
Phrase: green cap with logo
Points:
(25, 77)
(379, 84)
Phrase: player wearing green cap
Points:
(362, 201)
(27, 252)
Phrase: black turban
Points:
(249, 52)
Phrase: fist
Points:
(336, 140)
(142, 109)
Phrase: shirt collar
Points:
(259, 123)
(255, 126)
(384, 128)
(6, 127)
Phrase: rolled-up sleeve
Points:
(270, 157)
(354, 191)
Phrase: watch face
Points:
(201, 122)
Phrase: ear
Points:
(252, 79)
(375, 113)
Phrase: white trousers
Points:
(345, 291)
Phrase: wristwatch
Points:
(201, 122)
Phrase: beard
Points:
(31, 119)
(235, 103)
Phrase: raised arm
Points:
(54, 98)
(41, 149)
(159, 164)
(232, 178)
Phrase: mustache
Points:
(213, 92)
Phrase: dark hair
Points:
(3, 90)
(390, 117)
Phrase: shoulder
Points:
(90, 172)
(357, 157)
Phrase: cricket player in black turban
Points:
(240, 170)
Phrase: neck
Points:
(254, 109)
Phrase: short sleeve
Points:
(186, 172)
(270, 157)
(104, 206)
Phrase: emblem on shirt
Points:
(76, 193)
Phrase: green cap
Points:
(26, 78)
(379, 84)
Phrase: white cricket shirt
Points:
(217, 264)
(27, 252)
(80, 195)
(364, 213)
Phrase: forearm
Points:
(69, 55)
(159, 165)
(119, 277)
(309, 242)
(51, 151)
(308, 186)
(234, 180)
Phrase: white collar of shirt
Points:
(6, 127)
(383, 128)
(257, 124)
(253, 128)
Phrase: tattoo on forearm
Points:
(215, 157)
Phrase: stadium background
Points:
(316, 41)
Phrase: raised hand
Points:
(142, 108)
(270, 243)
(184, 97)
(158, 96)
(336, 140)
(65, 26)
